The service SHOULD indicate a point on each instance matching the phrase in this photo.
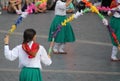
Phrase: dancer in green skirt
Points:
(115, 24)
(30, 55)
(66, 34)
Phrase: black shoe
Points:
(62, 52)
(115, 60)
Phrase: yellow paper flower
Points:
(13, 28)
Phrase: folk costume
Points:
(66, 34)
(30, 57)
(115, 24)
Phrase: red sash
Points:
(31, 52)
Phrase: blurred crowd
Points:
(19, 6)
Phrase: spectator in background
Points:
(15, 6)
(0, 8)
(41, 6)
(4, 4)
(26, 4)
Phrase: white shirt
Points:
(116, 14)
(60, 8)
(24, 61)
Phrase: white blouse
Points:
(24, 61)
(60, 8)
(116, 14)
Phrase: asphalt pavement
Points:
(88, 58)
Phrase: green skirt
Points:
(66, 34)
(115, 25)
(30, 74)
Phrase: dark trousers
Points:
(106, 3)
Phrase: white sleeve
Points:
(10, 54)
(61, 5)
(44, 57)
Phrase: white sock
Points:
(20, 11)
(56, 46)
(61, 48)
(17, 11)
(114, 52)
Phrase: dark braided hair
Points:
(80, 6)
(63, 0)
(28, 35)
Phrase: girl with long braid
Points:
(30, 55)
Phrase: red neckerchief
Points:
(31, 52)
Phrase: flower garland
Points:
(105, 21)
(73, 16)
(29, 10)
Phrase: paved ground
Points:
(88, 58)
